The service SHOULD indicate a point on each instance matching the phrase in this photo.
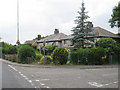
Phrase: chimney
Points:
(90, 25)
(56, 31)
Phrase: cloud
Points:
(43, 16)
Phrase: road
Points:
(11, 78)
(33, 77)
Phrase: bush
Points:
(48, 49)
(80, 56)
(108, 43)
(74, 57)
(48, 60)
(38, 57)
(24, 52)
(97, 56)
(92, 56)
(60, 55)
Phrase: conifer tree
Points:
(82, 33)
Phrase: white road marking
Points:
(44, 79)
(95, 84)
(116, 82)
(42, 84)
(19, 72)
(30, 81)
(37, 80)
(46, 87)
(12, 67)
(100, 85)
(26, 78)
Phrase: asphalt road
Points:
(12, 79)
(34, 77)
(0, 75)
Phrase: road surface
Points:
(33, 77)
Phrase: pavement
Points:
(46, 76)
(60, 66)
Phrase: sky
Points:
(43, 16)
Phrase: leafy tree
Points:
(39, 37)
(108, 43)
(12, 49)
(115, 20)
(82, 32)
(8, 48)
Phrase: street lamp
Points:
(44, 51)
(18, 42)
(0, 49)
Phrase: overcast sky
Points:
(43, 16)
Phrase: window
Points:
(64, 42)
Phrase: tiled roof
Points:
(29, 41)
(97, 31)
(54, 37)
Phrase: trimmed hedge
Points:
(93, 56)
(60, 55)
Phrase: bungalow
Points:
(63, 40)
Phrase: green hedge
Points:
(60, 55)
(92, 56)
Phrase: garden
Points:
(106, 51)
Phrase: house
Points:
(63, 40)
(59, 39)
(31, 42)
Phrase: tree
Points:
(82, 32)
(115, 20)
(39, 37)
(108, 43)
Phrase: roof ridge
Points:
(60, 36)
(98, 29)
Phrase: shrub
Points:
(83, 55)
(38, 56)
(24, 52)
(108, 43)
(48, 49)
(92, 56)
(60, 55)
(48, 60)
(74, 57)
(97, 56)
(80, 56)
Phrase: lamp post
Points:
(44, 51)
(0, 49)
(18, 42)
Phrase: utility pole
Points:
(44, 51)
(18, 42)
